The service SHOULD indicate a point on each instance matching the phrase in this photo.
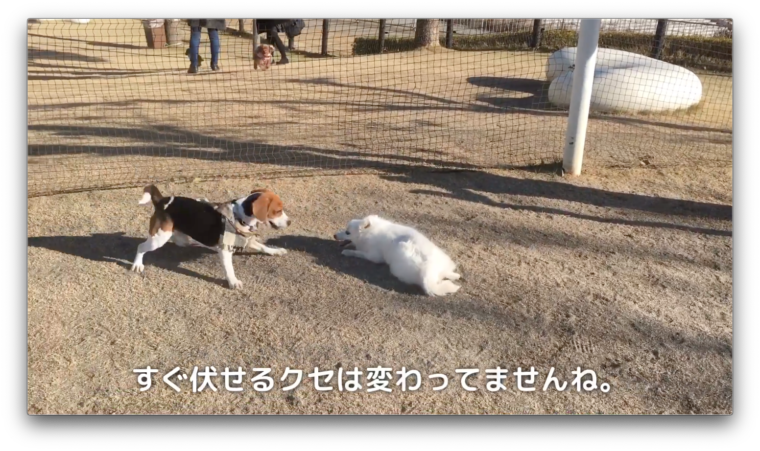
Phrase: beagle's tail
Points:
(151, 194)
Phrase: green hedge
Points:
(713, 54)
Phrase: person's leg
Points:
(274, 38)
(213, 35)
(195, 43)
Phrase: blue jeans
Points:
(195, 43)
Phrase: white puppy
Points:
(412, 257)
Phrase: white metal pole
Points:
(580, 97)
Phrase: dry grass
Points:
(118, 114)
(627, 273)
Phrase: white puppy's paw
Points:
(235, 284)
(138, 267)
(277, 251)
(453, 276)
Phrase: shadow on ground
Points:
(536, 90)
(469, 185)
(465, 185)
(120, 249)
(327, 253)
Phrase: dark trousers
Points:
(270, 27)
(195, 43)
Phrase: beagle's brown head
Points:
(266, 207)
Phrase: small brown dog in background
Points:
(263, 57)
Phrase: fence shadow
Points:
(34, 54)
(468, 186)
(93, 43)
(463, 186)
(535, 104)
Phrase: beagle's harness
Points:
(231, 240)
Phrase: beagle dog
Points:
(226, 227)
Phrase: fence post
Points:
(256, 39)
(172, 32)
(536, 40)
(580, 97)
(241, 26)
(381, 36)
(659, 38)
(450, 34)
(325, 33)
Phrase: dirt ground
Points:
(105, 111)
(625, 272)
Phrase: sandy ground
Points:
(105, 111)
(624, 272)
(627, 272)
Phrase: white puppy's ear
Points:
(367, 222)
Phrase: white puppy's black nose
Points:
(335, 236)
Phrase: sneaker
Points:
(193, 69)
(214, 67)
(283, 61)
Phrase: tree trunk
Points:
(426, 35)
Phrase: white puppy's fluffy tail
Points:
(434, 287)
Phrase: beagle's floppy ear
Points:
(261, 206)
(150, 194)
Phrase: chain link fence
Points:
(111, 102)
